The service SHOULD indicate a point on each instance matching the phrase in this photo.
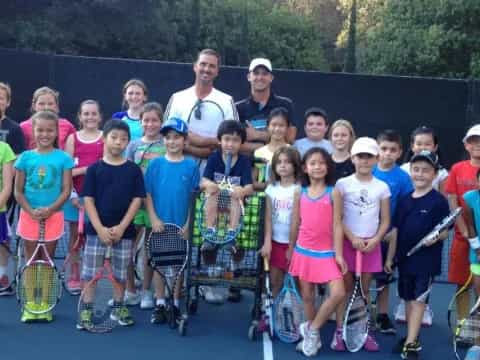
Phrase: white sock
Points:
(3, 270)
(161, 301)
(176, 303)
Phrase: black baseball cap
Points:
(428, 156)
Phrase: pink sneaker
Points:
(337, 343)
(371, 344)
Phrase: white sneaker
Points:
(427, 316)
(147, 300)
(311, 340)
(131, 299)
(211, 296)
(400, 312)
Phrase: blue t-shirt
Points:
(415, 218)
(170, 184)
(240, 173)
(113, 188)
(135, 125)
(43, 175)
(472, 199)
(398, 181)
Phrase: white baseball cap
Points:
(473, 131)
(260, 62)
(365, 145)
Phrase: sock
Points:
(3, 270)
(161, 301)
(176, 303)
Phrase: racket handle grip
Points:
(266, 265)
(358, 263)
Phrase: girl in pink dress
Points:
(318, 253)
(86, 147)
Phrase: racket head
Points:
(139, 260)
(468, 294)
(168, 251)
(39, 288)
(467, 331)
(205, 112)
(288, 312)
(7, 281)
(356, 320)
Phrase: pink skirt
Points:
(278, 258)
(317, 270)
(371, 262)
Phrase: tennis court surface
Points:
(215, 332)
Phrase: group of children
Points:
(326, 201)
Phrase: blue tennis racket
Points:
(288, 312)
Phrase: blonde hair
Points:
(44, 90)
(346, 124)
(131, 82)
(5, 87)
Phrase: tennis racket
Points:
(139, 260)
(168, 254)
(226, 208)
(356, 321)
(203, 111)
(39, 288)
(446, 222)
(268, 313)
(468, 330)
(288, 312)
(465, 293)
(94, 311)
(70, 273)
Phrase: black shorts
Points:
(415, 287)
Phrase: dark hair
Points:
(391, 136)
(46, 115)
(293, 157)
(422, 130)
(278, 112)
(231, 127)
(115, 124)
(330, 178)
(315, 111)
(152, 106)
(210, 52)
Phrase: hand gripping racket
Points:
(40, 286)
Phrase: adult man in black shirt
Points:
(253, 111)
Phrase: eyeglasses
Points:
(198, 109)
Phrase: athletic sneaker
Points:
(28, 317)
(45, 316)
(74, 285)
(132, 298)
(371, 344)
(427, 316)
(311, 340)
(122, 315)
(400, 315)
(85, 319)
(4, 281)
(7, 291)
(159, 315)
(211, 296)
(337, 343)
(409, 352)
(473, 353)
(385, 325)
(398, 348)
(147, 300)
(234, 295)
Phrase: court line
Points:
(267, 347)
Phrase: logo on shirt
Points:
(363, 202)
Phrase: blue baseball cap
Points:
(176, 124)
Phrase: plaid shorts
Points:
(94, 255)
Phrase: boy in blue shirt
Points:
(231, 136)
(400, 184)
(170, 181)
(113, 192)
(416, 215)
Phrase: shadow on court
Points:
(216, 332)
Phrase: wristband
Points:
(474, 243)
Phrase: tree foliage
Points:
(172, 30)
